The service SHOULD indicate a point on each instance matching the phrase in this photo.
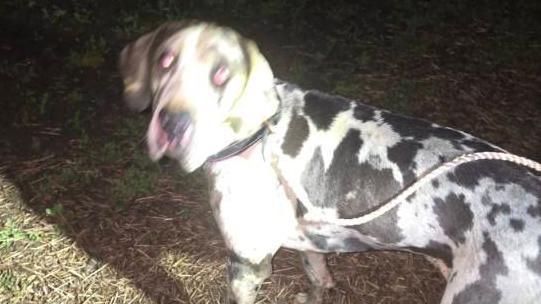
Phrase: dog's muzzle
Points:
(170, 134)
(174, 125)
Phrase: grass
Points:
(40, 260)
(11, 232)
(86, 217)
(133, 184)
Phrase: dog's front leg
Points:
(245, 278)
(254, 216)
(315, 266)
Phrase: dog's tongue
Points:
(162, 139)
(168, 132)
(157, 140)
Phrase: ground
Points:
(85, 217)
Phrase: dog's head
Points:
(208, 87)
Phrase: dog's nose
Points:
(174, 124)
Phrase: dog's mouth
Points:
(169, 133)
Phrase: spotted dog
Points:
(277, 155)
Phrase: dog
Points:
(278, 156)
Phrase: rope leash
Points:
(388, 206)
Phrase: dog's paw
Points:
(309, 298)
(301, 298)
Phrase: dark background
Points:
(77, 156)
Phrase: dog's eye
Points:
(166, 59)
(220, 75)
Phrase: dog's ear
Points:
(134, 69)
(260, 75)
(258, 101)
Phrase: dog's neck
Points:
(240, 146)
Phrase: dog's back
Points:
(483, 219)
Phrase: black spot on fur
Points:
(240, 267)
(305, 262)
(438, 250)
(403, 154)
(435, 183)
(372, 186)
(331, 187)
(347, 245)
(345, 175)
(477, 145)
(407, 126)
(363, 112)
(496, 210)
(502, 172)
(485, 291)
(535, 264)
(301, 210)
(355, 245)
(319, 241)
(517, 224)
(486, 200)
(297, 133)
(323, 108)
(411, 197)
(314, 181)
(441, 158)
(454, 216)
(535, 210)
(419, 130)
(446, 133)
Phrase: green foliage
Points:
(13, 282)
(110, 152)
(11, 232)
(76, 174)
(132, 128)
(8, 281)
(55, 210)
(133, 183)
(91, 56)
